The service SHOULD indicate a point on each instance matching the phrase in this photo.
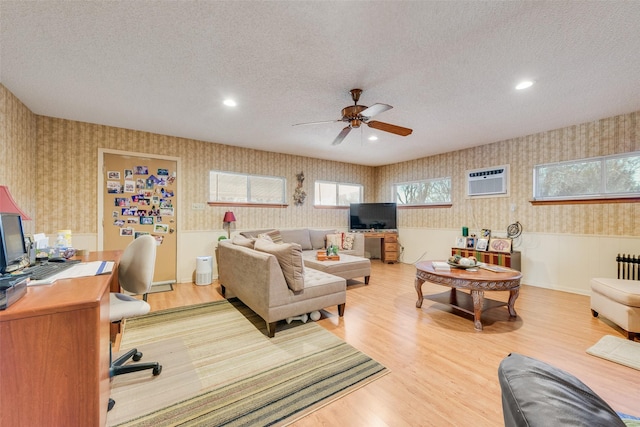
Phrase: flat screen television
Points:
(13, 250)
(372, 216)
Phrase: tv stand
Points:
(388, 244)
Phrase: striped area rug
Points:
(220, 369)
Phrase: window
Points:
(428, 192)
(241, 188)
(337, 193)
(595, 178)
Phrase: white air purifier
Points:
(204, 267)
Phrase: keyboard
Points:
(46, 270)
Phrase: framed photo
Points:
(141, 170)
(500, 245)
(471, 242)
(129, 186)
(486, 233)
(461, 242)
(146, 220)
(482, 244)
(161, 228)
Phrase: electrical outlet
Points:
(197, 206)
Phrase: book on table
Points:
(440, 266)
(494, 268)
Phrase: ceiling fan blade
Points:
(341, 135)
(375, 109)
(398, 130)
(317, 123)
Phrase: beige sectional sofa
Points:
(312, 240)
(256, 277)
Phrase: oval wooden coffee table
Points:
(475, 281)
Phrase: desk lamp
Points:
(229, 218)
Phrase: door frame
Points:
(101, 187)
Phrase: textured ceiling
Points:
(448, 69)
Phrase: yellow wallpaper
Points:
(50, 165)
(67, 177)
(603, 137)
(18, 153)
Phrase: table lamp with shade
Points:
(8, 205)
(228, 220)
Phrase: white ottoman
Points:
(347, 267)
(619, 301)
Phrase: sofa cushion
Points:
(243, 241)
(289, 256)
(335, 240)
(299, 236)
(626, 292)
(319, 237)
(319, 283)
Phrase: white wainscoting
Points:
(191, 244)
(564, 262)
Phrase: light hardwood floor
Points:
(443, 372)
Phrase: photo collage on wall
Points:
(143, 202)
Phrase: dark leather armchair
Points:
(537, 394)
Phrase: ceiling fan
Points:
(355, 115)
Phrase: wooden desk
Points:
(54, 353)
(388, 244)
(476, 281)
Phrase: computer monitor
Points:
(13, 250)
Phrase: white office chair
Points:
(135, 274)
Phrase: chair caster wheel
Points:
(111, 404)
(156, 371)
(137, 356)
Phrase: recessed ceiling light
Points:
(524, 85)
(373, 138)
(230, 103)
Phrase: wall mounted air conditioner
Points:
(488, 181)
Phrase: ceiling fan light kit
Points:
(355, 115)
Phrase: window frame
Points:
(247, 196)
(394, 194)
(337, 187)
(601, 196)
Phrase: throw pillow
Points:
(243, 241)
(335, 240)
(264, 236)
(318, 238)
(254, 233)
(348, 241)
(289, 256)
(274, 236)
